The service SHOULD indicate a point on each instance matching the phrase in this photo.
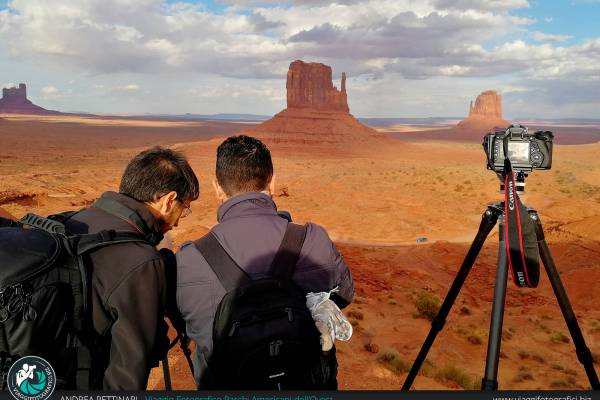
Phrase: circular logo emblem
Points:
(31, 378)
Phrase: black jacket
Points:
(128, 294)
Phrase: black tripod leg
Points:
(490, 380)
(584, 355)
(488, 220)
(167, 373)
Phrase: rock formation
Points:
(487, 105)
(309, 85)
(14, 101)
(317, 112)
(485, 113)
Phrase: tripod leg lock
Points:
(437, 324)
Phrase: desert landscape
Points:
(402, 206)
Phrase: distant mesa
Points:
(485, 113)
(14, 101)
(309, 85)
(317, 112)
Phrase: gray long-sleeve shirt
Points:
(250, 231)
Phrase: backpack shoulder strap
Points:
(91, 241)
(229, 273)
(46, 224)
(62, 217)
(287, 256)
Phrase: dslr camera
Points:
(526, 151)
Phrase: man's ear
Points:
(164, 204)
(168, 201)
(271, 187)
(221, 195)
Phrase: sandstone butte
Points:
(317, 112)
(485, 114)
(14, 101)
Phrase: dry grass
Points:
(523, 376)
(558, 337)
(356, 314)
(451, 373)
(392, 360)
(474, 339)
(538, 358)
(427, 304)
(568, 382)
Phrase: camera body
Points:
(526, 151)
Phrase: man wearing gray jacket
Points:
(251, 231)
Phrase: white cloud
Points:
(549, 37)
(149, 36)
(497, 5)
(454, 70)
(132, 87)
(251, 43)
(49, 90)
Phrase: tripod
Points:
(492, 214)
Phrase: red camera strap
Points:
(519, 235)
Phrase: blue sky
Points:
(403, 58)
(575, 18)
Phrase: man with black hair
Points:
(127, 331)
(251, 231)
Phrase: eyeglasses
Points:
(187, 210)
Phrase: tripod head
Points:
(519, 180)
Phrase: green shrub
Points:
(428, 305)
(392, 360)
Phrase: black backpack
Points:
(264, 337)
(44, 291)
